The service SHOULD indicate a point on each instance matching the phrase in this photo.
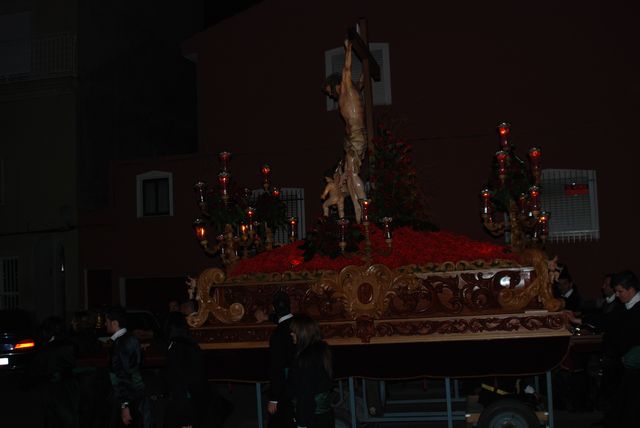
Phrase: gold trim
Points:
(541, 287)
(208, 304)
(365, 291)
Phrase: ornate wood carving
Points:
(374, 301)
(512, 299)
(208, 303)
(365, 329)
(472, 325)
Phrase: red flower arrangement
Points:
(410, 247)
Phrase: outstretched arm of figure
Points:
(346, 70)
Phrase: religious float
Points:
(395, 297)
(432, 303)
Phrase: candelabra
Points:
(240, 229)
(369, 250)
(510, 204)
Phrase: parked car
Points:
(17, 339)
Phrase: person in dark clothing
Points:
(626, 328)
(130, 406)
(192, 401)
(51, 372)
(311, 375)
(185, 375)
(605, 320)
(280, 357)
(568, 291)
(610, 301)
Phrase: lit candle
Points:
(293, 222)
(199, 227)
(543, 225)
(501, 157)
(220, 239)
(223, 179)
(534, 156)
(365, 203)
(266, 170)
(250, 213)
(534, 193)
(386, 221)
(487, 208)
(504, 130)
(243, 231)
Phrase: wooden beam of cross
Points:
(370, 69)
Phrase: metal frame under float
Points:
(448, 414)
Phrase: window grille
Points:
(381, 91)
(154, 194)
(9, 293)
(571, 198)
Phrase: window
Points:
(571, 198)
(15, 44)
(154, 194)
(293, 197)
(9, 294)
(334, 61)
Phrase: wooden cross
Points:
(370, 70)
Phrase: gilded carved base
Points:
(209, 303)
(373, 303)
(366, 330)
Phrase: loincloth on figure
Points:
(355, 145)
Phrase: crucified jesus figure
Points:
(341, 88)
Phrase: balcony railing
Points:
(53, 55)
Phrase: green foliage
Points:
(268, 208)
(272, 210)
(219, 214)
(518, 180)
(325, 239)
(395, 188)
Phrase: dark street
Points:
(19, 409)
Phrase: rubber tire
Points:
(508, 413)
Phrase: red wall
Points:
(562, 75)
(157, 247)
